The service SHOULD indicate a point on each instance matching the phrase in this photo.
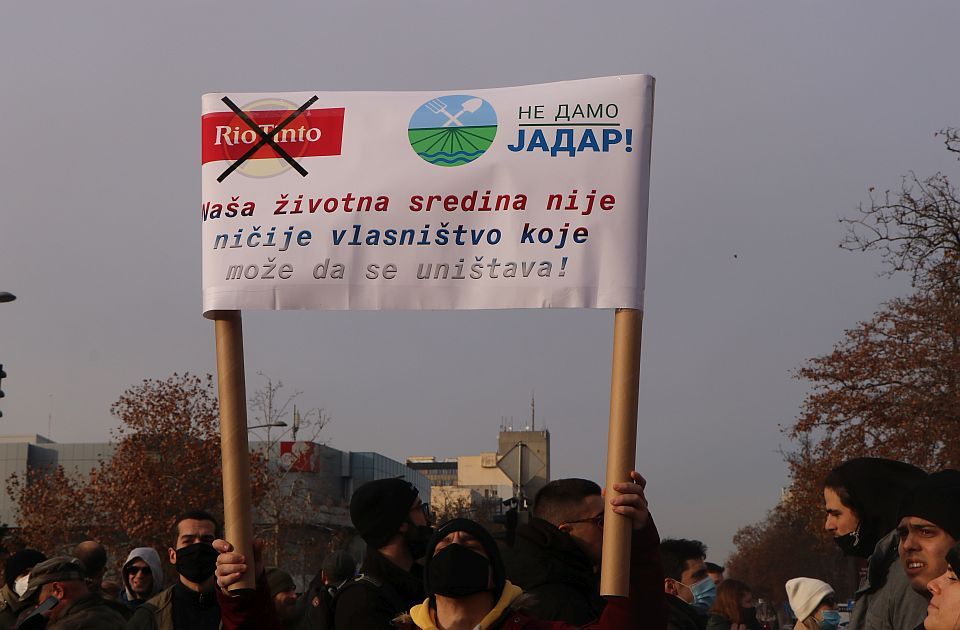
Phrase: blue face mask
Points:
(831, 620)
(704, 594)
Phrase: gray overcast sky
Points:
(772, 120)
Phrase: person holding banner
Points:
(466, 584)
(467, 587)
(555, 554)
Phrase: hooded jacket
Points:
(152, 558)
(885, 599)
(644, 608)
(875, 487)
(547, 563)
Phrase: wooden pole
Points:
(621, 449)
(235, 453)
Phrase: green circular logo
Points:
(452, 130)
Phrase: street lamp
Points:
(268, 425)
(7, 297)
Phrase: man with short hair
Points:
(716, 572)
(190, 604)
(392, 519)
(690, 591)
(93, 556)
(142, 577)
(64, 578)
(466, 583)
(555, 554)
(929, 527)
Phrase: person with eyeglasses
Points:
(142, 576)
(555, 555)
(394, 521)
(465, 585)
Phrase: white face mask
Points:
(20, 584)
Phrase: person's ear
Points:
(565, 528)
(670, 586)
(172, 555)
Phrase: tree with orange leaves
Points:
(889, 388)
(166, 461)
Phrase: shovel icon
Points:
(470, 106)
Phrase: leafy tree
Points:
(166, 461)
(54, 508)
(767, 555)
(891, 386)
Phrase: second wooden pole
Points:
(621, 449)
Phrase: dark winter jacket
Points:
(683, 616)
(644, 608)
(547, 563)
(11, 606)
(158, 613)
(719, 622)
(380, 593)
(249, 610)
(92, 612)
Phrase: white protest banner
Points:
(521, 197)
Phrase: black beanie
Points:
(21, 562)
(379, 507)
(477, 531)
(953, 559)
(876, 487)
(936, 499)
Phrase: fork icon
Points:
(439, 107)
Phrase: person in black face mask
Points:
(190, 604)
(466, 584)
(394, 522)
(862, 498)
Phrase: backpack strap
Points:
(385, 589)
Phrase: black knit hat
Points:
(876, 487)
(21, 562)
(489, 545)
(936, 499)
(279, 581)
(379, 507)
(953, 559)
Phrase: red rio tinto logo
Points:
(228, 137)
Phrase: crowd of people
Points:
(903, 522)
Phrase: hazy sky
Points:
(772, 120)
